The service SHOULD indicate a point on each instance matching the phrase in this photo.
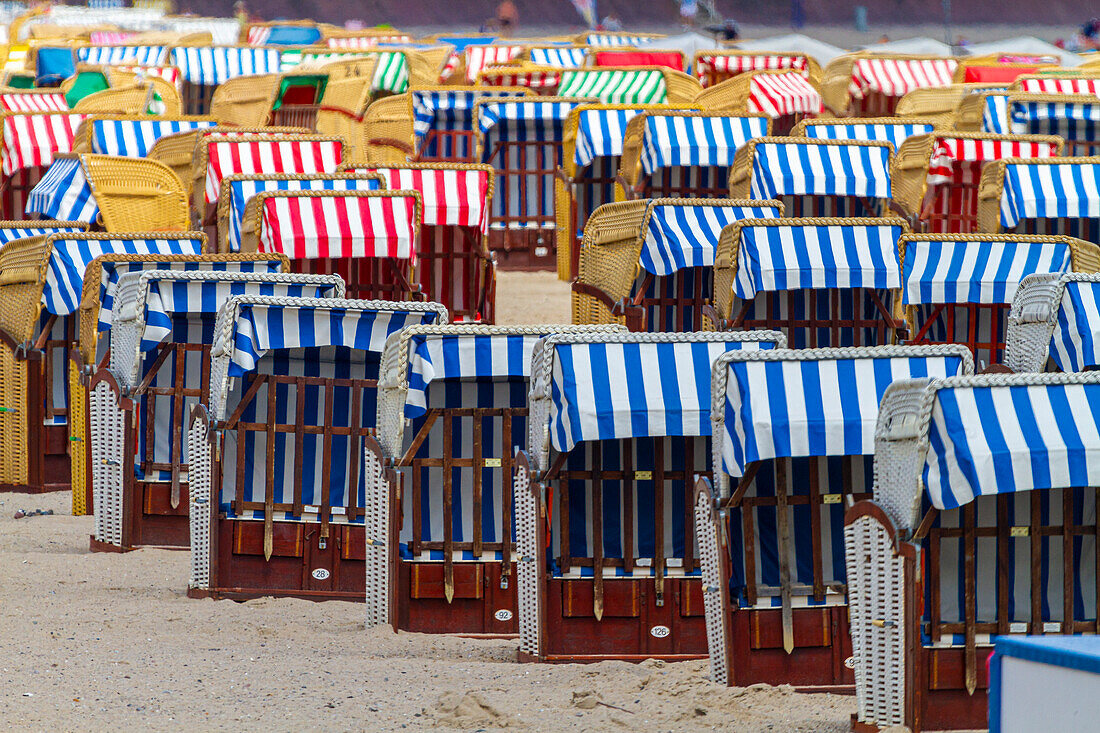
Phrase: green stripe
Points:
(645, 86)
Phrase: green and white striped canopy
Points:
(392, 74)
(615, 86)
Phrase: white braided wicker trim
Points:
(222, 352)
(720, 370)
(128, 323)
(542, 370)
(528, 560)
(901, 435)
(707, 529)
(1033, 317)
(200, 511)
(393, 377)
(380, 547)
(107, 438)
(876, 613)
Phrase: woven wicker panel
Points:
(992, 186)
(386, 134)
(609, 259)
(78, 438)
(715, 601)
(381, 549)
(13, 416)
(23, 265)
(530, 555)
(134, 194)
(200, 501)
(245, 100)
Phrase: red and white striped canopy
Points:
(366, 41)
(249, 155)
(894, 77)
(451, 197)
(548, 79)
(316, 224)
(1060, 86)
(32, 139)
(787, 93)
(23, 102)
(948, 151)
(170, 74)
(734, 65)
(480, 57)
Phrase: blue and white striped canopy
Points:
(999, 436)
(69, 258)
(210, 65)
(1074, 121)
(240, 190)
(559, 58)
(1075, 342)
(800, 169)
(940, 270)
(112, 271)
(674, 140)
(12, 234)
(679, 236)
(600, 134)
(135, 138)
(168, 296)
(521, 121)
(615, 39)
(436, 109)
(262, 327)
(1055, 191)
(602, 390)
(63, 193)
(995, 114)
(895, 134)
(821, 402)
(128, 55)
(438, 356)
(797, 256)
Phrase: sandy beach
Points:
(106, 641)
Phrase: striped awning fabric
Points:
(339, 224)
(615, 86)
(610, 388)
(938, 269)
(526, 119)
(451, 197)
(895, 134)
(170, 293)
(676, 236)
(226, 157)
(436, 109)
(796, 256)
(814, 402)
(111, 55)
(833, 169)
(559, 58)
(170, 74)
(479, 58)
(366, 41)
(740, 63)
(63, 193)
(454, 355)
(600, 134)
(69, 258)
(615, 39)
(788, 93)
(995, 114)
(32, 139)
(638, 57)
(243, 188)
(16, 102)
(14, 233)
(211, 65)
(1006, 434)
(113, 270)
(135, 138)
(896, 77)
(1050, 191)
(1074, 121)
(261, 324)
(391, 74)
(1075, 342)
(949, 150)
(503, 76)
(1056, 85)
(685, 140)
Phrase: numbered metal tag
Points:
(659, 632)
(320, 574)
